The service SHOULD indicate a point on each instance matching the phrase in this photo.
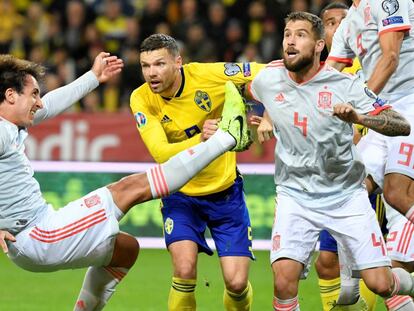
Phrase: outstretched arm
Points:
(390, 43)
(388, 122)
(57, 101)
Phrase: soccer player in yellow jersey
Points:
(177, 107)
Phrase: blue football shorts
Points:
(224, 213)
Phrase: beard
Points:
(298, 65)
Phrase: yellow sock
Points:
(238, 302)
(329, 290)
(182, 296)
(370, 297)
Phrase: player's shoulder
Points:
(143, 94)
(6, 129)
(277, 64)
(196, 68)
(338, 77)
(273, 70)
(272, 67)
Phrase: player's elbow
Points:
(407, 129)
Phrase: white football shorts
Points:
(81, 234)
(382, 154)
(353, 225)
(400, 242)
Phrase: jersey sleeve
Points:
(57, 101)
(392, 15)
(363, 99)
(253, 89)
(239, 73)
(3, 138)
(341, 52)
(153, 134)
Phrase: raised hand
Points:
(106, 66)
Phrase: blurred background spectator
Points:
(65, 36)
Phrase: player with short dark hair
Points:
(84, 233)
(177, 107)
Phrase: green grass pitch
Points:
(145, 288)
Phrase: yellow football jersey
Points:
(170, 125)
(356, 66)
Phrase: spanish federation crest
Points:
(168, 225)
(325, 100)
(202, 101)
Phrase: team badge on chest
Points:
(325, 100)
(202, 101)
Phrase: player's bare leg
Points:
(100, 282)
(184, 256)
(388, 283)
(238, 294)
(286, 274)
(327, 268)
(399, 193)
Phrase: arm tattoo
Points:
(387, 122)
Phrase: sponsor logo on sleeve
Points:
(390, 6)
(141, 119)
(392, 20)
(246, 70)
(231, 69)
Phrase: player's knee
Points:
(381, 285)
(383, 290)
(285, 287)
(327, 267)
(125, 252)
(236, 285)
(185, 269)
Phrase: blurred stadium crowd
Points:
(66, 35)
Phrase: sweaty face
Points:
(298, 45)
(27, 103)
(161, 71)
(331, 20)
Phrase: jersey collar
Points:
(180, 90)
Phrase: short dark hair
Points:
(334, 5)
(14, 71)
(316, 22)
(160, 41)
